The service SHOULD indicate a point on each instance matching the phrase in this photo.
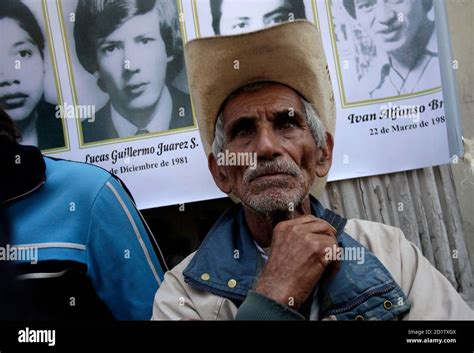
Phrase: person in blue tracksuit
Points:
(75, 237)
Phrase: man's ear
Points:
(219, 174)
(325, 160)
(99, 81)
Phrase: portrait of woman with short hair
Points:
(22, 77)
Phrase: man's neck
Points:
(406, 58)
(261, 226)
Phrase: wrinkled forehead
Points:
(266, 87)
(272, 97)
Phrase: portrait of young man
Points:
(233, 17)
(134, 49)
(406, 61)
(22, 75)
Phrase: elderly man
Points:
(279, 254)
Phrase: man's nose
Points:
(385, 14)
(131, 59)
(8, 75)
(267, 145)
(8, 72)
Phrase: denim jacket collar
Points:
(227, 265)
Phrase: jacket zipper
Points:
(387, 288)
(221, 293)
(26, 193)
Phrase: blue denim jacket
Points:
(359, 290)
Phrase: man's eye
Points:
(240, 25)
(279, 19)
(365, 5)
(109, 49)
(241, 132)
(25, 53)
(146, 40)
(287, 123)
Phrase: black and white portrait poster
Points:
(385, 49)
(385, 67)
(29, 82)
(227, 17)
(127, 102)
(127, 62)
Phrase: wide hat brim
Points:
(291, 54)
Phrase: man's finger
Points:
(316, 228)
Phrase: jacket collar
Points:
(227, 264)
(227, 253)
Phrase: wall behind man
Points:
(461, 26)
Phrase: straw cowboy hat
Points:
(291, 54)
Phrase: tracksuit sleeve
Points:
(122, 264)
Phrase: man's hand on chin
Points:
(297, 260)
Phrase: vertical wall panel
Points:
(423, 204)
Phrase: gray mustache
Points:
(272, 167)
